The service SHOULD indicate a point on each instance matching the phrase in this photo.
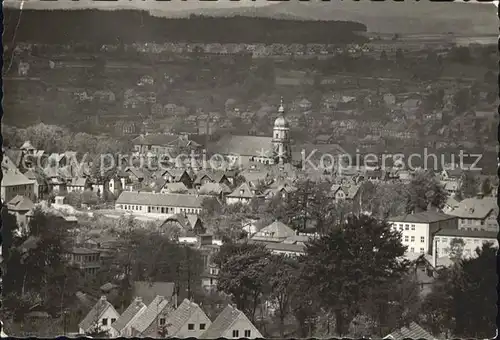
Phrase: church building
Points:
(266, 150)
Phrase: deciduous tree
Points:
(343, 264)
(243, 269)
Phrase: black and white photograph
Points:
(249, 169)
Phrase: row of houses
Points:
(159, 316)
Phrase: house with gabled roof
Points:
(154, 319)
(478, 213)
(19, 206)
(275, 232)
(345, 192)
(231, 324)
(186, 224)
(243, 194)
(122, 326)
(216, 190)
(176, 187)
(15, 183)
(100, 318)
(187, 321)
(410, 331)
(204, 177)
(77, 184)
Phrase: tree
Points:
(283, 276)
(456, 249)
(460, 302)
(243, 274)
(307, 204)
(345, 263)
(425, 190)
(393, 303)
(42, 275)
(469, 185)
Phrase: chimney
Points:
(103, 298)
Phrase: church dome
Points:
(281, 122)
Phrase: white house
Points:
(231, 324)
(187, 321)
(123, 326)
(100, 318)
(472, 240)
(242, 194)
(152, 203)
(417, 230)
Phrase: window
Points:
(400, 225)
(162, 321)
(113, 320)
(190, 326)
(104, 322)
(422, 250)
(407, 227)
(236, 334)
(412, 249)
(401, 228)
(202, 326)
(406, 238)
(412, 227)
(412, 239)
(247, 333)
(422, 239)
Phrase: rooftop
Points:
(467, 233)
(153, 199)
(422, 217)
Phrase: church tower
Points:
(281, 137)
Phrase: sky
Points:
(172, 5)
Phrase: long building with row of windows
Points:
(154, 203)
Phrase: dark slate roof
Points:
(149, 290)
(412, 331)
(242, 145)
(467, 233)
(20, 203)
(422, 217)
(135, 307)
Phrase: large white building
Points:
(417, 230)
(473, 239)
(146, 203)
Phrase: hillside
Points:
(129, 26)
(407, 17)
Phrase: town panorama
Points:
(290, 170)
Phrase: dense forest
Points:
(127, 26)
